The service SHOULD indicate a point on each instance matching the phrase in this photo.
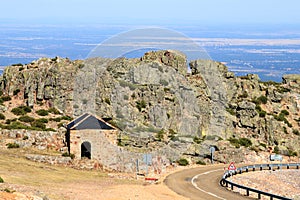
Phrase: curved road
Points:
(201, 183)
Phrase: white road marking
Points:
(196, 186)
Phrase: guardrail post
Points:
(259, 196)
(288, 166)
(247, 169)
(260, 168)
(247, 192)
(231, 187)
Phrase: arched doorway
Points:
(86, 150)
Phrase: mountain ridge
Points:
(156, 104)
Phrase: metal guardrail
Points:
(226, 183)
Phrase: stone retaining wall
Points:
(37, 139)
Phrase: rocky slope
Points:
(158, 106)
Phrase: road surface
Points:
(201, 183)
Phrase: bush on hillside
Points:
(38, 124)
(12, 145)
(26, 118)
(2, 117)
(183, 162)
(42, 112)
(6, 98)
(21, 110)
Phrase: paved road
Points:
(206, 180)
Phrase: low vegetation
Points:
(183, 162)
(282, 117)
(42, 112)
(66, 154)
(1, 180)
(260, 111)
(260, 100)
(141, 104)
(200, 162)
(26, 119)
(12, 145)
(240, 142)
(21, 110)
(2, 117)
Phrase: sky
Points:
(153, 11)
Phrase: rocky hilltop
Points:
(159, 106)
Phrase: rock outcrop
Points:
(159, 106)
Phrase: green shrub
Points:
(9, 190)
(16, 125)
(2, 117)
(50, 129)
(42, 112)
(183, 162)
(21, 110)
(1, 180)
(296, 132)
(285, 112)
(57, 119)
(234, 142)
(231, 111)
(26, 118)
(276, 150)
(262, 99)
(292, 153)
(107, 100)
(12, 145)
(281, 117)
(1, 93)
(285, 130)
(6, 98)
(25, 137)
(263, 145)
(160, 135)
(262, 113)
(200, 162)
(60, 125)
(240, 142)
(26, 108)
(68, 118)
(245, 142)
(283, 89)
(140, 105)
(53, 111)
(18, 111)
(66, 154)
(16, 92)
(38, 124)
(197, 140)
(42, 120)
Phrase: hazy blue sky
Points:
(153, 11)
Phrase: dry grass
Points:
(55, 182)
